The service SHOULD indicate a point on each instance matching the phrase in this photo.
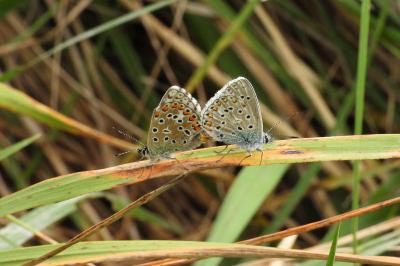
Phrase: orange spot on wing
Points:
(193, 117)
(196, 127)
(165, 108)
(174, 105)
(157, 114)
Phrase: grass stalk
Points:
(359, 104)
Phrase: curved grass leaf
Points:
(4, 153)
(279, 152)
(18, 102)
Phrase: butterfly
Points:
(174, 126)
(233, 116)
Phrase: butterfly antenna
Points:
(125, 134)
(122, 153)
(280, 121)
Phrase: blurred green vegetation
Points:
(107, 63)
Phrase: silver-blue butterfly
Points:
(233, 116)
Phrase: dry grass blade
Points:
(116, 216)
(297, 230)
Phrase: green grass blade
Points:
(93, 32)
(332, 250)
(221, 44)
(362, 63)
(295, 196)
(19, 102)
(279, 152)
(245, 196)
(6, 152)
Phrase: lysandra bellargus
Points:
(175, 125)
(233, 116)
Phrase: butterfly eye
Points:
(161, 121)
(250, 126)
(169, 115)
(155, 139)
(240, 111)
(187, 132)
(242, 97)
(155, 130)
(248, 97)
(239, 128)
(180, 128)
(248, 116)
(173, 141)
(180, 121)
(166, 138)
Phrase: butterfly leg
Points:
(249, 154)
(219, 152)
(262, 155)
(179, 162)
(223, 156)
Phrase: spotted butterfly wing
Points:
(233, 115)
(175, 124)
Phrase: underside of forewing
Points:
(175, 124)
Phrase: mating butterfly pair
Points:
(232, 116)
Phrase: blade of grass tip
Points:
(362, 61)
(6, 152)
(221, 44)
(332, 250)
(86, 35)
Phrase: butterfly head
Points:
(143, 151)
(267, 138)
